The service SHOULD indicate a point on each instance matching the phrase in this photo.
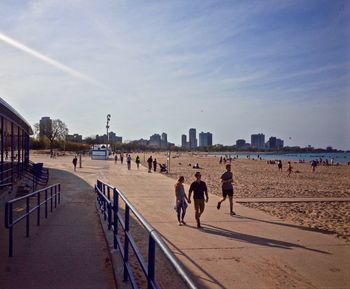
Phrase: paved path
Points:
(290, 200)
(250, 250)
(68, 250)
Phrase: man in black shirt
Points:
(199, 188)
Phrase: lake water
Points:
(338, 157)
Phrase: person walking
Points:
(128, 161)
(199, 188)
(313, 165)
(137, 161)
(150, 161)
(227, 188)
(181, 199)
(115, 158)
(121, 158)
(75, 161)
(289, 169)
(155, 165)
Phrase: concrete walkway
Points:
(68, 250)
(250, 250)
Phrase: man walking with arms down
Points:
(227, 188)
(199, 188)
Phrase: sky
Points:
(232, 68)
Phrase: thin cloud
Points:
(10, 41)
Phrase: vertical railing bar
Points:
(55, 197)
(51, 200)
(38, 209)
(27, 218)
(151, 261)
(59, 193)
(115, 217)
(126, 243)
(46, 204)
(10, 231)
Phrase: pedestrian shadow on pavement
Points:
(210, 229)
(317, 230)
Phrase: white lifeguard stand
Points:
(100, 152)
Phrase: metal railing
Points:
(52, 194)
(108, 199)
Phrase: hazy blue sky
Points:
(229, 67)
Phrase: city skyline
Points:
(278, 67)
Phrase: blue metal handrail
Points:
(55, 196)
(109, 207)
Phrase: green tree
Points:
(57, 132)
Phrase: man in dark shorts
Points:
(199, 188)
(227, 188)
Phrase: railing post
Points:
(115, 217)
(51, 200)
(46, 204)
(59, 193)
(109, 193)
(151, 261)
(38, 210)
(126, 243)
(27, 218)
(10, 231)
(109, 210)
(55, 196)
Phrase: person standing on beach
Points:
(181, 199)
(137, 160)
(115, 158)
(128, 161)
(199, 188)
(227, 188)
(121, 158)
(290, 169)
(313, 165)
(155, 165)
(150, 161)
(280, 165)
(75, 161)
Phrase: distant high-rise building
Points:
(113, 138)
(155, 140)
(279, 143)
(273, 142)
(45, 126)
(205, 139)
(240, 143)
(74, 138)
(193, 138)
(258, 141)
(184, 141)
(164, 140)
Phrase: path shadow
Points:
(245, 238)
(309, 229)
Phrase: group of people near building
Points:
(200, 195)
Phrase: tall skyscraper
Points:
(205, 139)
(155, 140)
(258, 141)
(45, 126)
(193, 138)
(184, 141)
(164, 140)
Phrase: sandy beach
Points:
(257, 179)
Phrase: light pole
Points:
(107, 126)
